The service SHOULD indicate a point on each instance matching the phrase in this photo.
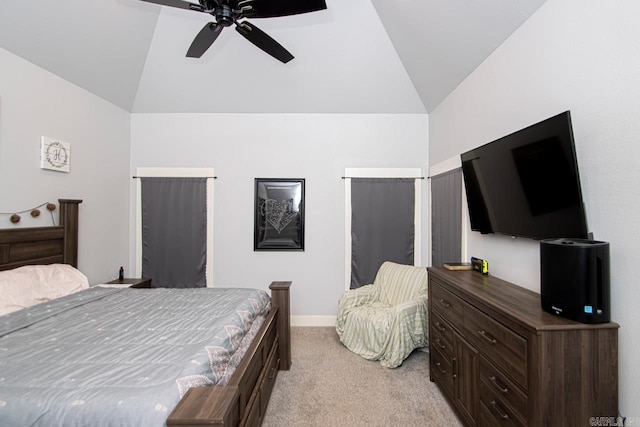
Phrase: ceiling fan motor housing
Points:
(224, 15)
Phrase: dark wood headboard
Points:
(43, 245)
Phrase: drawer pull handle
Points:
(455, 367)
(502, 389)
(440, 327)
(272, 373)
(500, 413)
(487, 337)
(442, 371)
(442, 346)
(444, 303)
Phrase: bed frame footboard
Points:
(243, 402)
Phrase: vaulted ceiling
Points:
(358, 56)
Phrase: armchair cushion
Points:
(386, 320)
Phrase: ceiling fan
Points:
(228, 12)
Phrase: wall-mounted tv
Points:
(527, 183)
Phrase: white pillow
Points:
(33, 284)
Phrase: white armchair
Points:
(388, 319)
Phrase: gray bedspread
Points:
(120, 357)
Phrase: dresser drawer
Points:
(501, 345)
(440, 335)
(494, 414)
(442, 372)
(495, 386)
(449, 306)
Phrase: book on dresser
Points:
(501, 360)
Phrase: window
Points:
(382, 220)
(174, 226)
(446, 217)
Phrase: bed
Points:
(87, 332)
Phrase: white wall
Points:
(316, 147)
(345, 63)
(571, 55)
(35, 103)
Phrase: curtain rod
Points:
(384, 177)
(208, 177)
(447, 172)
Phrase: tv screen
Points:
(527, 183)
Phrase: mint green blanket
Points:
(388, 319)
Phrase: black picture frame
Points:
(278, 214)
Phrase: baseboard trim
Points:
(313, 320)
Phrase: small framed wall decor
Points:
(55, 154)
(279, 214)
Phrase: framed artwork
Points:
(279, 214)
(54, 154)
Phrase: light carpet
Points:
(330, 386)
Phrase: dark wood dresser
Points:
(501, 360)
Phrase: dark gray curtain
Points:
(382, 225)
(174, 231)
(446, 217)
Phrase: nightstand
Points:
(132, 283)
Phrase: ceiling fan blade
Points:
(205, 38)
(178, 3)
(273, 8)
(263, 41)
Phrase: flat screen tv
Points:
(527, 184)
